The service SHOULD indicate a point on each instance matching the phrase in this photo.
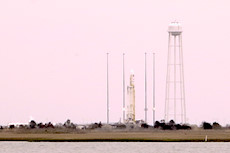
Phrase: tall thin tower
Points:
(175, 93)
(123, 109)
(107, 98)
(154, 109)
(146, 109)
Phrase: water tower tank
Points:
(175, 28)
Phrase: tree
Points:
(144, 125)
(216, 125)
(69, 124)
(49, 125)
(32, 124)
(157, 124)
(171, 122)
(186, 127)
(206, 125)
(40, 125)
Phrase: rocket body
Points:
(130, 116)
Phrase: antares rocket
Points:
(130, 115)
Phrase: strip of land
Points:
(120, 136)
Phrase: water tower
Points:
(175, 93)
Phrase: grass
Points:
(121, 135)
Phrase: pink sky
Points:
(53, 57)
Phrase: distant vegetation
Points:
(140, 124)
(171, 125)
(208, 126)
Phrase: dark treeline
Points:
(214, 125)
(171, 125)
(160, 125)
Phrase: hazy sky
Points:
(53, 57)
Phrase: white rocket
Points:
(130, 115)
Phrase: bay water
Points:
(114, 147)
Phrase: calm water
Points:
(113, 147)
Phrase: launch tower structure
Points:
(130, 116)
(175, 92)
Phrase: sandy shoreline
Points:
(119, 136)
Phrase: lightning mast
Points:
(146, 109)
(107, 88)
(123, 109)
(154, 109)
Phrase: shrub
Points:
(32, 124)
(206, 125)
(216, 125)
